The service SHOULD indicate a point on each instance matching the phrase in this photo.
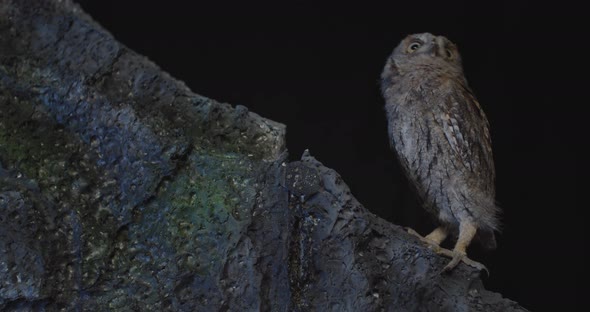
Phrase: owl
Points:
(442, 139)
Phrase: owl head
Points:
(425, 53)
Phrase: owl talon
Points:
(457, 257)
(476, 265)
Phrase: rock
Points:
(120, 189)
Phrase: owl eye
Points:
(414, 46)
(449, 53)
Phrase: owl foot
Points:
(431, 243)
(455, 255)
(411, 231)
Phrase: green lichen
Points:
(200, 213)
(38, 148)
(43, 151)
(56, 161)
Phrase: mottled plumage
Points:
(441, 137)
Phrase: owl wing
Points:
(466, 129)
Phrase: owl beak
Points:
(438, 46)
(435, 50)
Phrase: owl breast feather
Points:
(441, 137)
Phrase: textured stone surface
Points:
(121, 190)
(344, 258)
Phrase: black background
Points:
(315, 68)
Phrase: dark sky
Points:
(315, 68)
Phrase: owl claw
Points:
(457, 257)
(474, 264)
